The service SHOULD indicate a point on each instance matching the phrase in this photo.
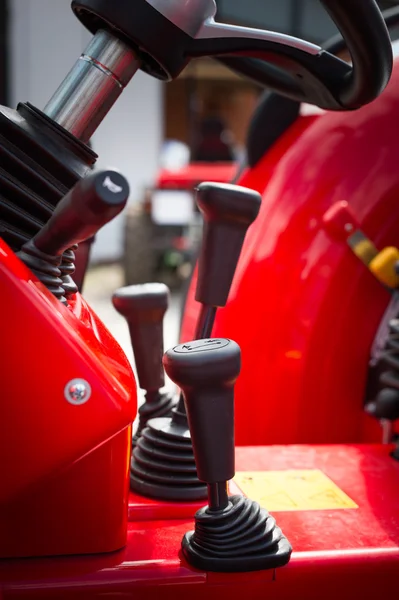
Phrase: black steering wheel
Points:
(168, 34)
(336, 44)
(275, 114)
(364, 34)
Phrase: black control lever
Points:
(231, 533)
(206, 371)
(90, 204)
(228, 211)
(144, 307)
(163, 462)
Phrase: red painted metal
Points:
(346, 552)
(194, 173)
(57, 457)
(302, 307)
(148, 509)
(339, 221)
(64, 482)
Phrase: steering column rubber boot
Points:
(232, 533)
(144, 307)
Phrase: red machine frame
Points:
(70, 528)
(291, 340)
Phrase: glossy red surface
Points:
(195, 173)
(80, 510)
(49, 447)
(148, 509)
(345, 553)
(302, 307)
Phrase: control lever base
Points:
(45, 267)
(67, 268)
(242, 537)
(155, 406)
(163, 464)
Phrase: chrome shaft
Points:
(93, 85)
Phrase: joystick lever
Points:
(90, 204)
(228, 211)
(231, 533)
(163, 464)
(144, 307)
(206, 371)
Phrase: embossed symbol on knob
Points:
(111, 186)
(202, 346)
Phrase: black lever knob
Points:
(228, 211)
(231, 533)
(206, 371)
(386, 405)
(90, 204)
(144, 307)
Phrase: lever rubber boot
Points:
(163, 463)
(88, 206)
(144, 307)
(232, 533)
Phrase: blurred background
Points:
(155, 132)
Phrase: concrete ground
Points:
(101, 282)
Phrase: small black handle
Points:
(206, 371)
(228, 211)
(88, 206)
(386, 405)
(144, 307)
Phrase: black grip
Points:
(144, 307)
(206, 371)
(88, 206)
(228, 211)
(386, 405)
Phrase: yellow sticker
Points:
(293, 490)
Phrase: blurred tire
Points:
(139, 258)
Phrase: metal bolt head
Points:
(77, 391)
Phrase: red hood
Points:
(195, 173)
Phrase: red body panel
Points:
(302, 307)
(188, 177)
(64, 481)
(343, 553)
(48, 446)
